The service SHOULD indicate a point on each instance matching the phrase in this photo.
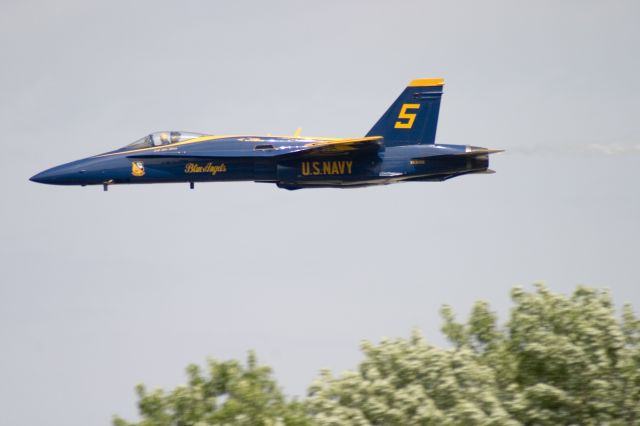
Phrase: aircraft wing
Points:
(370, 144)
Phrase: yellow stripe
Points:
(422, 82)
(315, 138)
(343, 141)
(190, 141)
(211, 138)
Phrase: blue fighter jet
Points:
(399, 148)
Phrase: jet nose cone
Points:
(66, 174)
(44, 177)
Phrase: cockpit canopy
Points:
(162, 138)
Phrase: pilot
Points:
(164, 138)
(175, 137)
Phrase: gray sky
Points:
(100, 291)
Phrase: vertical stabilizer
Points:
(413, 118)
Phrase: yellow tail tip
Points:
(427, 82)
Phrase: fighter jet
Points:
(399, 148)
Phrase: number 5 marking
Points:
(404, 115)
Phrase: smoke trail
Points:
(614, 149)
(555, 149)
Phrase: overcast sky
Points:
(100, 291)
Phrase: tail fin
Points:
(412, 119)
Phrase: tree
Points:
(230, 394)
(558, 361)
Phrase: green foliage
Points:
(408, 382)
(558, 360)
(230, 394)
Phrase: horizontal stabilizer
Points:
(480, 151)
(471, 151)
